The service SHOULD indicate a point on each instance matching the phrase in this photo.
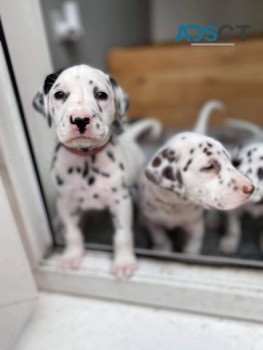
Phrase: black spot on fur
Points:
(114, 189)
(111, 156)
(178, 177)
(104, 174)
(91, 82)
(70, 170)
(169, 154)
(85, 170)
(97, 126)
(121, 166)
(260, 173)
(112, 141)
(95, 170)
(168, 173)
(192, 151)
(152, 177)
(156, 162)
(100, 109)
(249, 153)
(59, 180)
(53, 161)
(95, 195)
(78, 169)
(209, 144)
(187, 165)
(91, 180)
(49, 120)
(57, 147)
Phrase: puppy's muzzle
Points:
(81, 123)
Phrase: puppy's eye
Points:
(207, 168)
(59, 95)
(102, 96)
(212, 167)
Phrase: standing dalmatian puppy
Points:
(248, 159)
(92, 168)
(189, 173)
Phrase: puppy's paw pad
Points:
(71, 258)
(228, 245)
(124, 267)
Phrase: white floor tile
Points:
(71, 323)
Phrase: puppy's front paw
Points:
(164, 246)
(193, 247)
(72, 257)
(228, 245)
(124, 266)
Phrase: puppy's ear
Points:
(164, 171)
(40, 105)
(121, 99)
(40, 101)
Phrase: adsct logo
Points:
(211, 35)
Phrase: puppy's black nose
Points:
(80, 122)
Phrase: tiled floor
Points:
(69, 323)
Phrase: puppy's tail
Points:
(254, 129)
(145, 126)
(204, 114)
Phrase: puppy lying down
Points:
(190, 172)
(92, 168)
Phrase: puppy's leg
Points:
(212, 220)
(229, 243)
(124, 258)
(72, 256)
(195, 233)
(159, 237)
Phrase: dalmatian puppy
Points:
(92, 168)
(248, 159)
(189, 173)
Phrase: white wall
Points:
(107, 24)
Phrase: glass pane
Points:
(171, 57)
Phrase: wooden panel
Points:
(171, 82)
